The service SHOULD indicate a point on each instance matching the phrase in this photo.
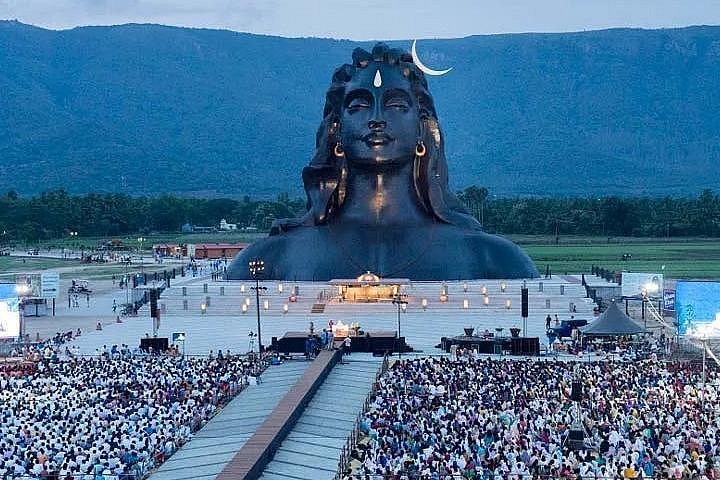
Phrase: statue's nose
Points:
(377, 124)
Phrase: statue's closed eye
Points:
(358, 104)
(397, 103)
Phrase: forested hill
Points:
(144, 109)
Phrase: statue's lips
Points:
(374, 139)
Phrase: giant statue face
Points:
(380, 117)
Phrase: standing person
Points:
(323, 338)
(346, 345)
(308, 347)
(330, 340)
(548, 319)
(114, 307)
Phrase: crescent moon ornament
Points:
(425, 69)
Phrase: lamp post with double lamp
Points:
(257, 267)
(142, 262)
(401, 303)
(73, 236)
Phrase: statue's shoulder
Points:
(285, 243)
(501, 257)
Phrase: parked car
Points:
(80, 286)
(566, 327)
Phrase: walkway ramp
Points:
(311, 450)
(213, 446)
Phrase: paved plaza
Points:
(225, 326)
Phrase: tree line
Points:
(56, 213)
(597, 216)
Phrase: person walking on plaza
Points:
(346, 346)
(548, 319)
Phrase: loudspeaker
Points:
(576, 392)
(526, 346)
(153, 304)
(524, 302)
(159, 344)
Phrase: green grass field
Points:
(150, 240)
(699, 259)
(9, 266)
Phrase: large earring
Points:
(420, 149)
(338, 150)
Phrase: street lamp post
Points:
(142, 262)
(127, 279)
(647, 293)
(73, 236)
(644, 294)
(257, 267)
(401, 305)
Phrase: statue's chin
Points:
(379, 162)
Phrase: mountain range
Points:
(149, 109)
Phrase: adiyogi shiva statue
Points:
(377, 190)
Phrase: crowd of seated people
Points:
(483, 418)
(113, 416)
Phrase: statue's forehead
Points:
(390, 77)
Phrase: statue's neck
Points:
(376, 197)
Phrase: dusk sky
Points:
(371, 19)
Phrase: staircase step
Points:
(318, 308)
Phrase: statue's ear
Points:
(320, 186)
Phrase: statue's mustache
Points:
(376, 136)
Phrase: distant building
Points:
(169, 250)
(190, 228)
(215, 250)
(227, 227)
(197, 229)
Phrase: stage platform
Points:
(377, 343)
(520, 346)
